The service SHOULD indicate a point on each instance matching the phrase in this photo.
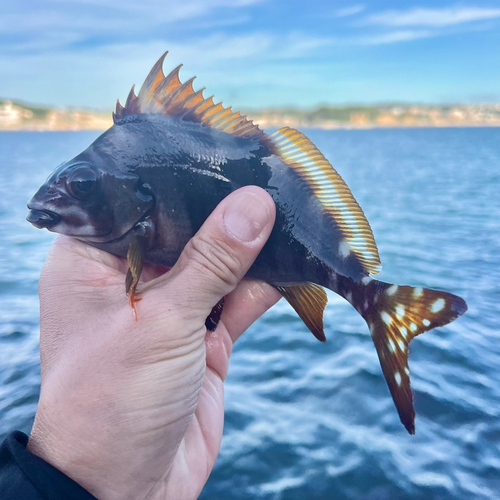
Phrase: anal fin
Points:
(309, 301)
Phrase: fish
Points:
(145, 186)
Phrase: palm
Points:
(196, 456)
(98, 279)
(198, 451)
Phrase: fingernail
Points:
(246, 216)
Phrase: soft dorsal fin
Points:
(309, 301)
(167, 95)
(356, 236)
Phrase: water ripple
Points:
(312, 420)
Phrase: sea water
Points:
(306, 420)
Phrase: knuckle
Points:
(215, 258)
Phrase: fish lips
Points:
(47, 219)
(43, 218)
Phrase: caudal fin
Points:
(395, 315)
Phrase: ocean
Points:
(306, 420)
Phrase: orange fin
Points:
(133, 299)
(167, 95)
(309, 301)
(135, 259)
(395, 315)
(354, 232)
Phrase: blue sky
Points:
(253, 53)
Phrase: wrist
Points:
(72, 449)
(117, 434)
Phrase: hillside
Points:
(382, 116)
(19, 116)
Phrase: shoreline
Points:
(299, 126)
(21, 117)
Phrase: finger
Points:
(249, 301)
(242, 307)
(220, 254)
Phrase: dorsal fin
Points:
(356, 236)
(167, 95)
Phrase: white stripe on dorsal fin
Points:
(167, 95)
(356, 237)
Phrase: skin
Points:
(134, 410)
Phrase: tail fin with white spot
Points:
(395, 315)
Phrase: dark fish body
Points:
(146, 185)
(190, 169)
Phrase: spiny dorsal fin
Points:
(167, 95)
(309, 301)
(396, 315)
(300, 153)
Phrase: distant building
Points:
(12, 116)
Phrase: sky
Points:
(253, 53)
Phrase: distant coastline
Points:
(19, 116)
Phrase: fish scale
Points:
(146, 185)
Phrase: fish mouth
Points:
(43, 218)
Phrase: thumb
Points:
(219, 255)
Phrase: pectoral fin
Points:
(135, 258)
(309, 301)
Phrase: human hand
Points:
(134, 410)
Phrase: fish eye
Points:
(81, 182)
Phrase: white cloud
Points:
(172, 10)
(432, 17)
(80, 19)
(90, 57)
(350, 11)
(166, 12)
(95, 78)
(394, 37)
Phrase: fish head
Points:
(90, 200)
